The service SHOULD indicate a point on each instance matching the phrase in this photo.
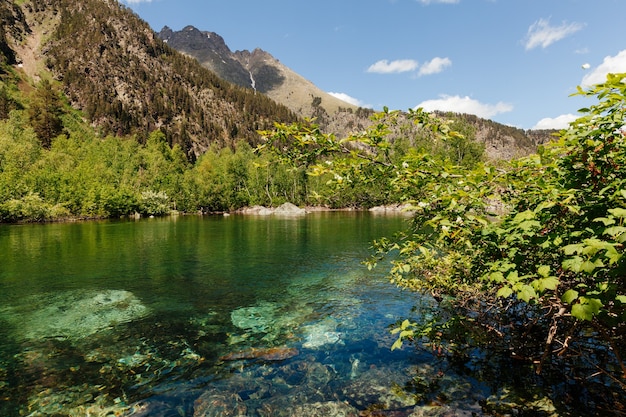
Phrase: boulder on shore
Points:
(289, 209)
(257, 210)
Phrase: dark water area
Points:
(218, 316)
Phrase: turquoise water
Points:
(224, 316)
(139, 317)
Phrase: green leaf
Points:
(573, 248)
(621, 299)
(606, 221)
(614, 231)
(543, 270)
(496, 277)
(549, 283)
(523, 216)
(586, 309)
(618, 212)
(573, 264)
(406, 333)
(504, 292)
(512, 277)
(588, 267)
(527, 293)
(528, 225)
(569, 296)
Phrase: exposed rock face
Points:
(256, 69)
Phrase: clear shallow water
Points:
(212, 316)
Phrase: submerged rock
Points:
(74, 314)
(213, 404)
(321, 334)
(317, 409)
(264, 354)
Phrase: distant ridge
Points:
(257, 70)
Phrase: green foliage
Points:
(532, 247)
(45, 112)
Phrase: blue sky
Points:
(512, 61)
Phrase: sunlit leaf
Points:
(527, 293)
(569, 296)
(543, 270)
(586, 309)
(504, 292)
(573, 264)
(618, 212)
(397, 344)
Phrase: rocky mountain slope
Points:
(260, 71)
(257, 70)
(114, 68)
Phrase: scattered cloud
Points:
(611, 64)
(348, 99)
(586, 66)
(458, 104)
(434, 66)
(559, 122)
(427, 2)
(541, 33)
(389, 67)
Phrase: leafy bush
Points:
(525, 256)
(154, 203)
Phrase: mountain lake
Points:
(219, 316)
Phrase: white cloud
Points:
(611, 64)
(386, 67)
(349, 99)
(434, 66)
(542, 34)
(439, 1)
(559, 122)
(458, 104)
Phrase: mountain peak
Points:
(256, 69)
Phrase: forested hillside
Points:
(111, 66)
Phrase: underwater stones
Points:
(318, 409)
(270, 322)
(75, 314)
(380, 388)
(213, 404)
(263, 354)
(321, 334)
(257, 319)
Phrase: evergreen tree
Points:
(45, 113)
